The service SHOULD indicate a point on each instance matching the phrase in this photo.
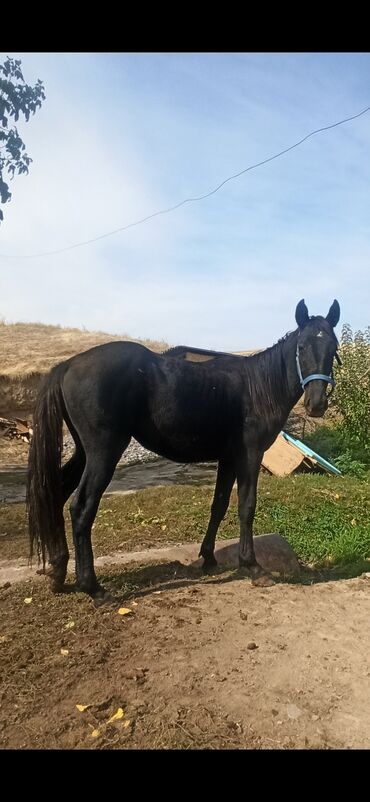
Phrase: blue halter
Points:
(312, 376)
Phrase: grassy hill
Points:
(28, 350)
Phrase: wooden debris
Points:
(287, 455)
(15, 429)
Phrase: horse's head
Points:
(316, 349)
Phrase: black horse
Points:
(228, 408)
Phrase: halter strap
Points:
(312, 376)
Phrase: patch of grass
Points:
(325, 519)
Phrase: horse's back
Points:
(179, 409)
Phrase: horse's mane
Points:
(267, 379)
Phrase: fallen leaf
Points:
(81, 708)
(124, 611)
(64, 651)
(95, 733)
(134, 604)
(117, 716)
(3, 638)
(70, 625)
(126, 724)
(28, 600)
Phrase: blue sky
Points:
(120, 136)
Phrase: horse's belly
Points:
(180, 446)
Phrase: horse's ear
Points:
(301, 314)
(333, 314)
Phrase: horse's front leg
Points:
(248, 467)
(224, 484)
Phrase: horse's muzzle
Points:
(316, 409)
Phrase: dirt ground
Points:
(197, 663)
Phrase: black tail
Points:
(44, 481)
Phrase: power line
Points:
(188, 200)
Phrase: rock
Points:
(293, 711)
(273, 553)
(134, 453)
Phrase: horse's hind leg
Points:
(101, 460)
(58, 556)
(71, 476)
(224, 484)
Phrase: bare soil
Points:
(198, 663)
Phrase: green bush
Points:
(350, 466)
(352, 392)
(347, 443)
(326, 441)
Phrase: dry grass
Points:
(28, 348)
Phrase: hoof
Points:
(91, 587)
(56, 576)
(103, 596)
(56, 586)
(263, 581)
(209, 565)
(56, 573)
(259, 577)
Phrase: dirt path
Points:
(198, 663)
(187, 554)
(155, 473)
